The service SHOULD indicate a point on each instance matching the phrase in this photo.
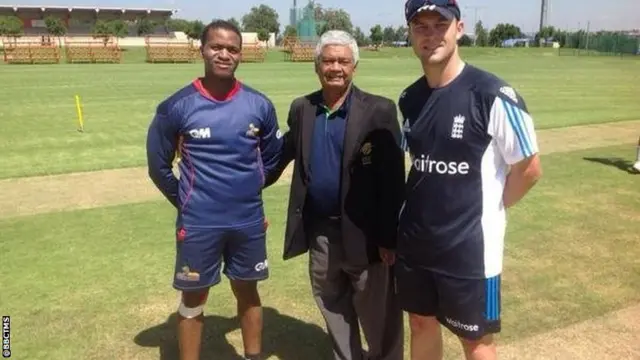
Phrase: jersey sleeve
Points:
(162, 140)
(511, 126)
(405, 121)
(271, 141)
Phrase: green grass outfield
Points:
(38, 118)
(96, 284)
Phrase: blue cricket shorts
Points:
(470, 308)
(201, 253)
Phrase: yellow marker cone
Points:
(79, 111)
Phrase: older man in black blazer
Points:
(346, 193)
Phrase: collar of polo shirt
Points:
(344, 108)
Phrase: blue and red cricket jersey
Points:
(227, 148)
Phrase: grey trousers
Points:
(350, 296)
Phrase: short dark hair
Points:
(219, 24)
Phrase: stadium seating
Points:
(93, 50)
(253, 53)
(167, 50)
(302, 52)
(30, 52)
(297, 51)
(288, 43)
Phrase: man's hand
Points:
(388, 256)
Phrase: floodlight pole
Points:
(475, 19)
(587, 44)
(544, 7)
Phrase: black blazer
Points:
(373, 175)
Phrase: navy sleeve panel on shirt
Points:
(271, 141)
(413, 98)
(410, 103)
(402, 106)
(162, 139)
(289, 145)
(162, 143)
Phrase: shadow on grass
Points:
(284, 337)
(617, 162)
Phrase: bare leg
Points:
(250, 314)
(426, 338)
(190, 329)
(483, 349)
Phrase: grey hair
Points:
(338, 37)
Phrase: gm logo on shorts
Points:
(459, 325)
(261, 266)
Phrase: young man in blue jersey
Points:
(229, 141)
(474, 153)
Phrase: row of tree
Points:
(265, 17)
(264, 20)
(600, 40)
(10, 25)
(13, 26)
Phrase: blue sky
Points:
(619, 14)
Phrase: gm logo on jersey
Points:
(203, 133)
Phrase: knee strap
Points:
(190, 313)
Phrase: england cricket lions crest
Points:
(457, 129)
(187, 275)
(366, 153)
(253, 130)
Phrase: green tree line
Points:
(264, 20)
